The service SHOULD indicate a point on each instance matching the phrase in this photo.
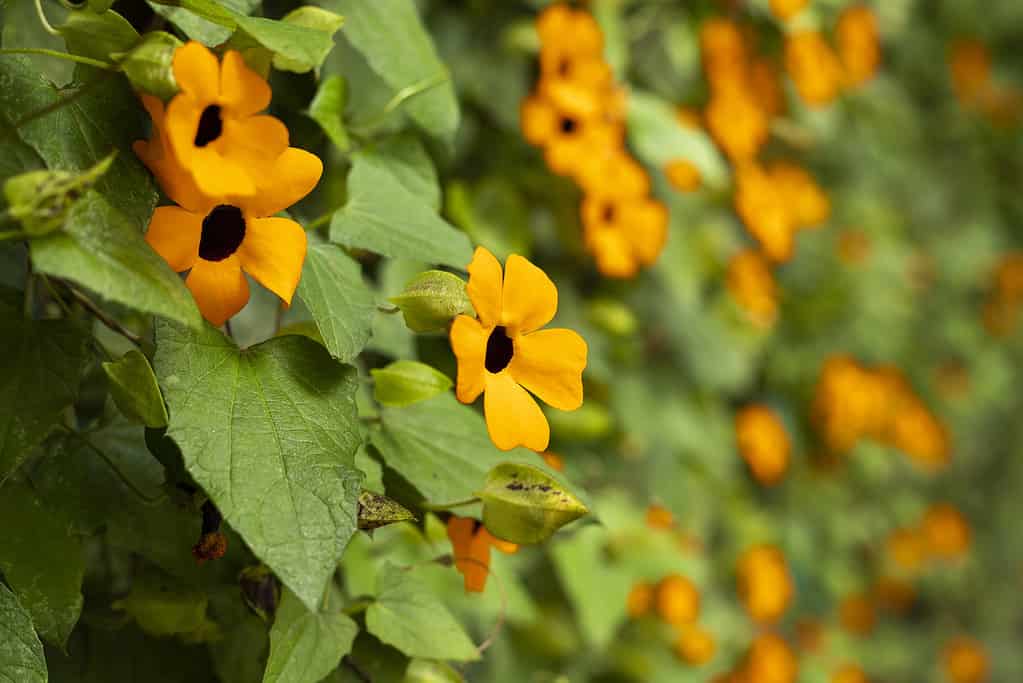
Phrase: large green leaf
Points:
(106, 116)
(296, 45)
(270, 434)
(391, 37)
(207, 21)
(133, 387)
(342, 304)
(40, 366)
(100, 249)
(404, 157)
(305, 646)
(408, 616)
(21, 653)
(42, 561)
(384, 216)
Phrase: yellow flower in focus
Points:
(946, 531)
(965, 661)
(850, 673)
(502, 352)
(763, 443)
(752, 285)
(623, 234)
(683, 175)
(770, 660)
(640, 600)
(807, 203)
(676, 599)
(471, 543)
(857, 615)
(695, 645)
(970, 65)
(859, 46)
(737, 124)
(786, 9)
(213, 127)
(814, 67)
(763, 211)
(765, 586)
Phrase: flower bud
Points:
(40, 200)
(523, 504)
(376, 511)
(432, 300)
(148, 64)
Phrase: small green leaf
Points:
(328, 108)
(40, 200)
(133, 387)
(405, 382)
(432, 300)
(162, 608)
(408, 616)
(100, 249)
(523, 504)
(376, 511)
(383, 216)
(149, 64)
(342, 304)
(590, 422)
(42, 561)
(314, 18)
(296, 47)
(21, 653)
(306, 646)
(203, 20)
(210, 10)
(97, 35)
(431, 671)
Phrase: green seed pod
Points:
(405, 382)
(376, 511)
(40, 200)
(148, 64)
(523, 504)
(432, 300)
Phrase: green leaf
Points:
(270, 434)
(523, 504)
(383, 216)
(391, 37)
(404, 157)
(41, 199)
(40, 366)
(314, 18)
(431, 671)
(432, 300)
(339, 299)
(204, 20)
(213, 11)
(97, 35)
(78, 135)
(306, 646)
(21, 653)
(162, 608)
(100, 249)
(405, 382)
(493, 213)
(327, 109)
(42, 561)
(134, 389)
(296, 47)
(408, 616)
(149, 64)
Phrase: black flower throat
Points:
(210, 126)
(500, 350)
(223, 230)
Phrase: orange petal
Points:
(180, 124)
(550, 364)
(530, 299)
(513, 417)
(255, 141)
(471, 552)
(294, 175)
(242, 89)
(218, 176)
(273, 252)
(469, 343)
(219, 287)
(484, 286)
(174, 234)
(197, 72)
(506, 547)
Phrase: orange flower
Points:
(212, 125)
(737, 123)
(573, 30)
(907, 549)
(765, 85)
(695, 645)
(752, 285)
(966, 661)
(553, 460)
(764, 583)
(857, 615)
(659, 517)
(764, 212)
(786, 9)
(805, 200)
(970, 64)
(917, 432)
(722, 46)
(894, 594)
(683, 175)
(640, 600)
(850, 673)
(763, 443)
(502, 352)
(623, 234)
(946, 531)
(471, 543)
(676, 599)
(813, 67)
(858, 44)
(770, 660)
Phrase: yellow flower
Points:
(659, 517)
(764, 583)
(786, 9)
(763, 210)
(676, 599)
(683, 175)
(502, 352)
(752, 285)
(640, 599)
(907, 549)
(770, 660)
(737, 124)
(850, 673)
(763, 443)
(806, 202)
(858, 44)
(966, 661)
(623, 234)
(695, 645)
(813, 66)
(471, 543)
(946, 531)
(212, 125)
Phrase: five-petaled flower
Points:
(503, 352)
(471, 544)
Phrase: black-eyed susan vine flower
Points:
(504, 355)
(471, 544)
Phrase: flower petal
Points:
(513, 417)
(273, 252)
(197, 72)
(294, 175)
(181, 121)
(255, 141)
(219, 287)
(529, 300)
(219, 176)
(471, 551)
(469, 343)
(484, 288)
(550, 364)
(174, 234)
(241, 89)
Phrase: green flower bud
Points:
(523, 504)
(405, 382)
(432, 300)
(148, 64)
(40, 200)
(612, 316)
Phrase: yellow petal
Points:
(174, 234)
(219, 176)
(513, 417)
(197, 72)
(530, 299)
(469, 343)
(219, 287)
(255, 141)
(242, 89)
(484, 286)
(294, 175)
(180, 123)
(273, 252)
(550, 364)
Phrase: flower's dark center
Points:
(499, 350)
(568, 125)
(608, 214)
(210, 126)
(223, 230)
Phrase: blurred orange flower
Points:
(752, 285)
(857, 615)
(858, 44)
(765, 586)
(946, 531)
(471, 543)
(676, 599)
(695, 645)
(813, 66)
(763, 443)
(965, 660)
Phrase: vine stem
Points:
(59, 55)
(100, 315)
(434, 507)
(400, 97)
(47, 26)
(356, 607)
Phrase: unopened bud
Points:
(376, 511)
(148, 64)
(432, 300)
(40, 200)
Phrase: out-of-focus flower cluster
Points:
(970, 69)
(1002, 307)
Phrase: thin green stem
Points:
(356, 607)
(121, 476)
(434, 507)
(318, 223)
(56, 296)
(400, 97)
(47, 26)
(103, 317)
(59, 55)
(10, 235)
